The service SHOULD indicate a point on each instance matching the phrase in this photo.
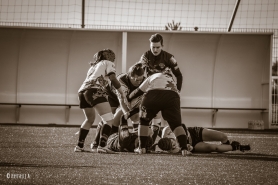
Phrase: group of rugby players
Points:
(150, 87)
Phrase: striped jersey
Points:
(98, 75)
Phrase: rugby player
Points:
(156, 60)
(129, 82)
(161, 94)
(197, 140)
(92, 96)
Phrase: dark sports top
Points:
(156, 64)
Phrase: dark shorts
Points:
(196, 134)
(91, 97)
(166, 101)
(112, 97)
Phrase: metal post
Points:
(83, 13)
(234, 15)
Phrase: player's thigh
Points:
(203, 147)
(172, 113)
(213, 135)
(89, 114)
(149, 108)
(103, 108)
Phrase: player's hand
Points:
(189, 147)
(126, 115)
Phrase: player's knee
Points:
(107, 118)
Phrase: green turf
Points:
(44, 155)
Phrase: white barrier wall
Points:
(219, 70)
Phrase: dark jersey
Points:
(125, 144)
(126, 84)
(156, 64)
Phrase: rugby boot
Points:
(244, 148)
(79, 149)
(235, 145)
(94, 147)
(140, 150)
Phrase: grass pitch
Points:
(44, 155)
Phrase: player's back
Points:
(160, 81)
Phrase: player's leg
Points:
(156, 124)
(104, 111)
(95, 142)
(214, 135)
(208, 148)
(150, 106)
(85, 127)
(116, 122)
(89, 114)
(171, 112)
(114, 103)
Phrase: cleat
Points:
(235, 145)
(104, 150)
(78, 149)
(227, 143)
(185, 153)
(140, 150)
(93, 147)
(244, 148)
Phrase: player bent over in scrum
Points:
(161, 94)
(129, 82)
(197, 140)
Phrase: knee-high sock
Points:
(155, 130)
(97, 136)
(104, 134)
(143, 133)
(82, 136)
(181, 137)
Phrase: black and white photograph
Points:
(131, 92)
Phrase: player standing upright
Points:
(156, 60)
(93, 96)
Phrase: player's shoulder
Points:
(123, 78)
(167, 54)
(107, 63)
